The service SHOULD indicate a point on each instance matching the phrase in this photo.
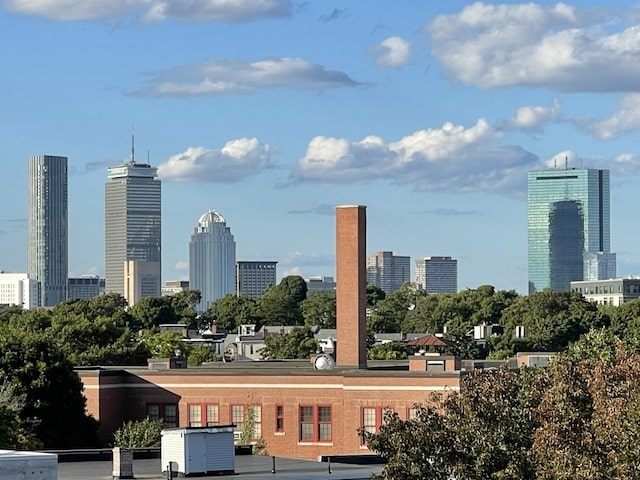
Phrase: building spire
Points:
(133, 148)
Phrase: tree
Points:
(200, 354)
(299, 343)
(151, 312)
(184, 306)
(54, 407)
(388, 351)
(295, 287)
(12, 434)
(413, 448)
(277, 307)
(138, 434)
(374, 295)
(319, 309)
(552, 320)
(166, 344)
(231, 311)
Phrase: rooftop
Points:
(250, 467)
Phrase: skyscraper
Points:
(388, 271)
(568, 219)
(212, 259)
(132, 223)
(437, 274)
(254, 277)
(48, 249)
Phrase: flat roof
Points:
(251, 467)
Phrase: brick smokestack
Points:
(351, 285)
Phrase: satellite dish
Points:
(323, 362)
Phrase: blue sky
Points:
(272, 112)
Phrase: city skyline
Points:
(429, 113)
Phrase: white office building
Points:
(437, 274)
(18, 289)
(212, 259)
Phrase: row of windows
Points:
(314, 421)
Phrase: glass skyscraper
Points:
(132, 223)
(212, 259)
(48, 244)
(568, 218)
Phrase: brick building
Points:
(299, 411)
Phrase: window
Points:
(213, 417)
(201, 415)
(195, 415)
(372, 418)
(279, 418)
(315, 423)
(239, 414)
(168, 412)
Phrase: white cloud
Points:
(532, 118)
(557, 47)
(391, 52)
(624, 120)
(228, 77)
(448, 158)
(237, 160)
(181, 265)
(621, 166)
(153, 10)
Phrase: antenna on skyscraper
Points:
(148, 161)
(133, 148)
(555, 163)
(566, 162)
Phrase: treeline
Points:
(578, 419)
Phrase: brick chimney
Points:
(351, 284)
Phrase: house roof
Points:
(428, 341)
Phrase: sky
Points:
(272, 112)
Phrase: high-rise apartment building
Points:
(48, 244)
(132, 222)
(388, 271)
(253, 278)
(437, 274)
(568, 219)
(212, 259)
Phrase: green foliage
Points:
(150, 312)
(248, 432)
(200, 354)
(552, 321)
(294, 286)
(12, 434)
(138, 434)
(299, 343)
(163, 345)
(578, 419)
(231, 311)
(319, 309)
(54, 407)
(374, 295)
(277, 306)
(388, 351)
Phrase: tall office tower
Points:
(437, 274)
(48, 227)
(253, 278)
(568, 218)
(388, 271)
(132, 222)
(351, 286)
(212, 259)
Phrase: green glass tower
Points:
(568, 217)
